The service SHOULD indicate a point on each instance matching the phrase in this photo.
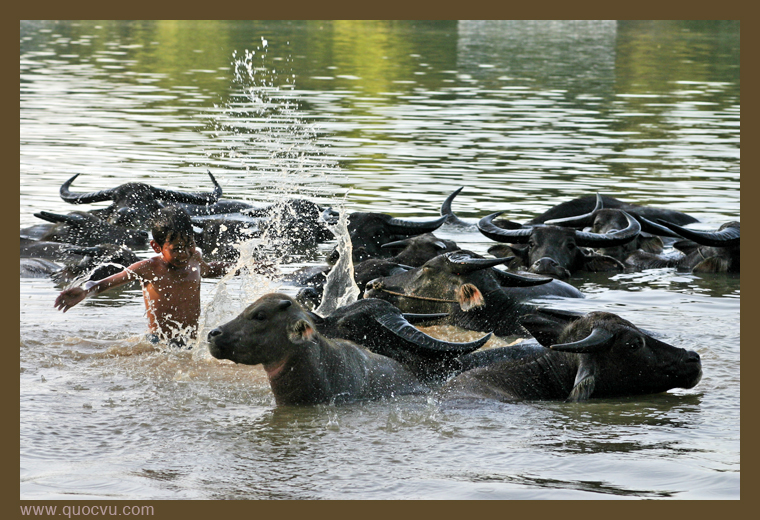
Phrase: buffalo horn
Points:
(397, 243)
(403, 329)
(655, 229)
(728, 237)
(56, 218)
(408, 227)
(464, 263)
(580, 221)
(422, 318)
(598, 339)
(446, 210)
(494, 232)
(189, 198)
(406, 241)
(83, 198)
(509, 279)
(616, 238)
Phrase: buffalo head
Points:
(558, 251)
(614, 357)
(369, 231)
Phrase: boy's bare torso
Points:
(172, 295)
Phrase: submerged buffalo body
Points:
(73, 262)
(465, 285)
(86, 229)
(381, 327)
(303, 366)
(593, 356)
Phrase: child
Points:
(171, 281)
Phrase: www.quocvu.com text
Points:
(70, 511)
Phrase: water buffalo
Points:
(558, 251)
(369, 231)
(74, 262)
(303, 366)
(96, 263)
(599, 355)
(701, 252)
(465, 285)
(607, 221)
(86, 229)
(32, 248)
(417, 250)
(381, 328)
(134, 203)
(37, 267)
(587, 203)
(579, 206)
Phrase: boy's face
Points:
(177, 252)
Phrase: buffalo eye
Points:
(571, 246)
(259, 316)
(635, 343)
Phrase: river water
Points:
(389, 117)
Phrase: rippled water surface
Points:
(388, 117)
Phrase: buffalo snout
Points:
(213, 334)
(550, 267)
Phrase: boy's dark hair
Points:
(171, 223)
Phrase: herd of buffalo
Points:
(407, 276)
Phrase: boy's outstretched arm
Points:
(70, 297)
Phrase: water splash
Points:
(270, 155)
(340, 288)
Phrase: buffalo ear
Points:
(596, 263)
(712, 264)
(503, 251)
(545, 330)
(585, 380)
(651, 244)
(301, 332)
(686, 246)
(469, 297)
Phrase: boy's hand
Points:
(70, 297)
